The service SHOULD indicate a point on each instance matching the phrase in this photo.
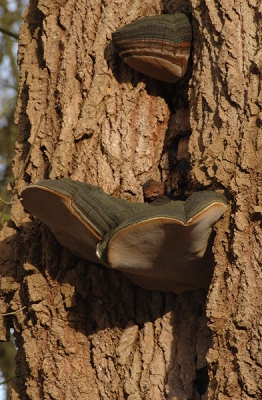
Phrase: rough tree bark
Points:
(83, 331)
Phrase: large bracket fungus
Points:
(158, 46)
(157, 247)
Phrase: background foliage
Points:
(10, 21)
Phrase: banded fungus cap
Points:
(157, 247)
(165, 247)
(158, 46)
(58, 206)
(78, 214)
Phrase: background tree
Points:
(83, 331)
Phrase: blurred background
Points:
(11, 12)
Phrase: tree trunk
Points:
(84, 331)
(225, 150)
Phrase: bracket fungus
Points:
(158, 46)
(157, 247)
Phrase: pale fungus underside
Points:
(157, 247)
(158, 46)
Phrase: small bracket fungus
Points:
(157, 46)
(157, 247)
